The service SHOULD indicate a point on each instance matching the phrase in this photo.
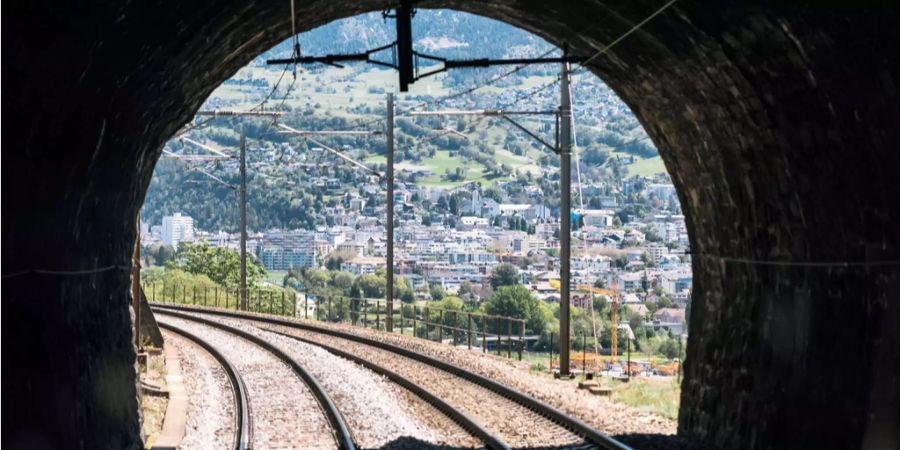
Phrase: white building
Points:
(657, 251)
(598, 218)
(363, 266)
(176, 229)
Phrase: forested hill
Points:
(288, 176)
(439, 32)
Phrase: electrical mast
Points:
(614, 323)
(243, 188)
(565, 216)
(389, 289)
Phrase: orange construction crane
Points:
(614, 325)
(594, 290)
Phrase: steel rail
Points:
(574, 425)
(242, 435)
(462, 419)
(338, 424)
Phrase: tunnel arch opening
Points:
(281, 95)
(783, 172)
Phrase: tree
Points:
(442, 203)
(494, 193)
(316, 279)
(669, 348)
(405, 294)
(635, 321)
(517, 301)
(450, 303)
(451, 318)
(291, 279)
(342, 280)
(437, 292)
(594, 156)
(600, 283)
(664, 302)
(504, 275)
(222, 265)
(454, 205)
(334, 262)
(370, 285)
(467, 291)
(164, 254)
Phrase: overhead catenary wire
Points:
(575, 151)
(487, 83)
(206, 147)
(296, 49)
(464, 92)
(523, 66)
(622, 37)
(258, 106)
(332, 150)
(444, 132)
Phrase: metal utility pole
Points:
(389, 289)
(243, 189)
(565, 217)
(217, 155)
(136, 286)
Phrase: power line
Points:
(466, 91)
(626, 34)
(287, 93)
(193, 127)
(523, 66)
(487, 83)
(423, 140)
(272, 92)
(471, 89)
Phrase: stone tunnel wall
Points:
(779, 125)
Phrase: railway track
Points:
(464, 421)
(339, 434)
(242, 428)
(482, 401)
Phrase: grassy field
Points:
(275, 277)
(655, 395)
(658, 396)
(351, 88)
(647, 167)
(346, 88)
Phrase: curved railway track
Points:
(242, 436)
(467, 423)
(588, 437)
(340, 429)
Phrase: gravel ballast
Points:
(210, 414)
(377, 411)
(513, 423)
(284, 413)
(600, 412)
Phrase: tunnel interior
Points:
(777, 122)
